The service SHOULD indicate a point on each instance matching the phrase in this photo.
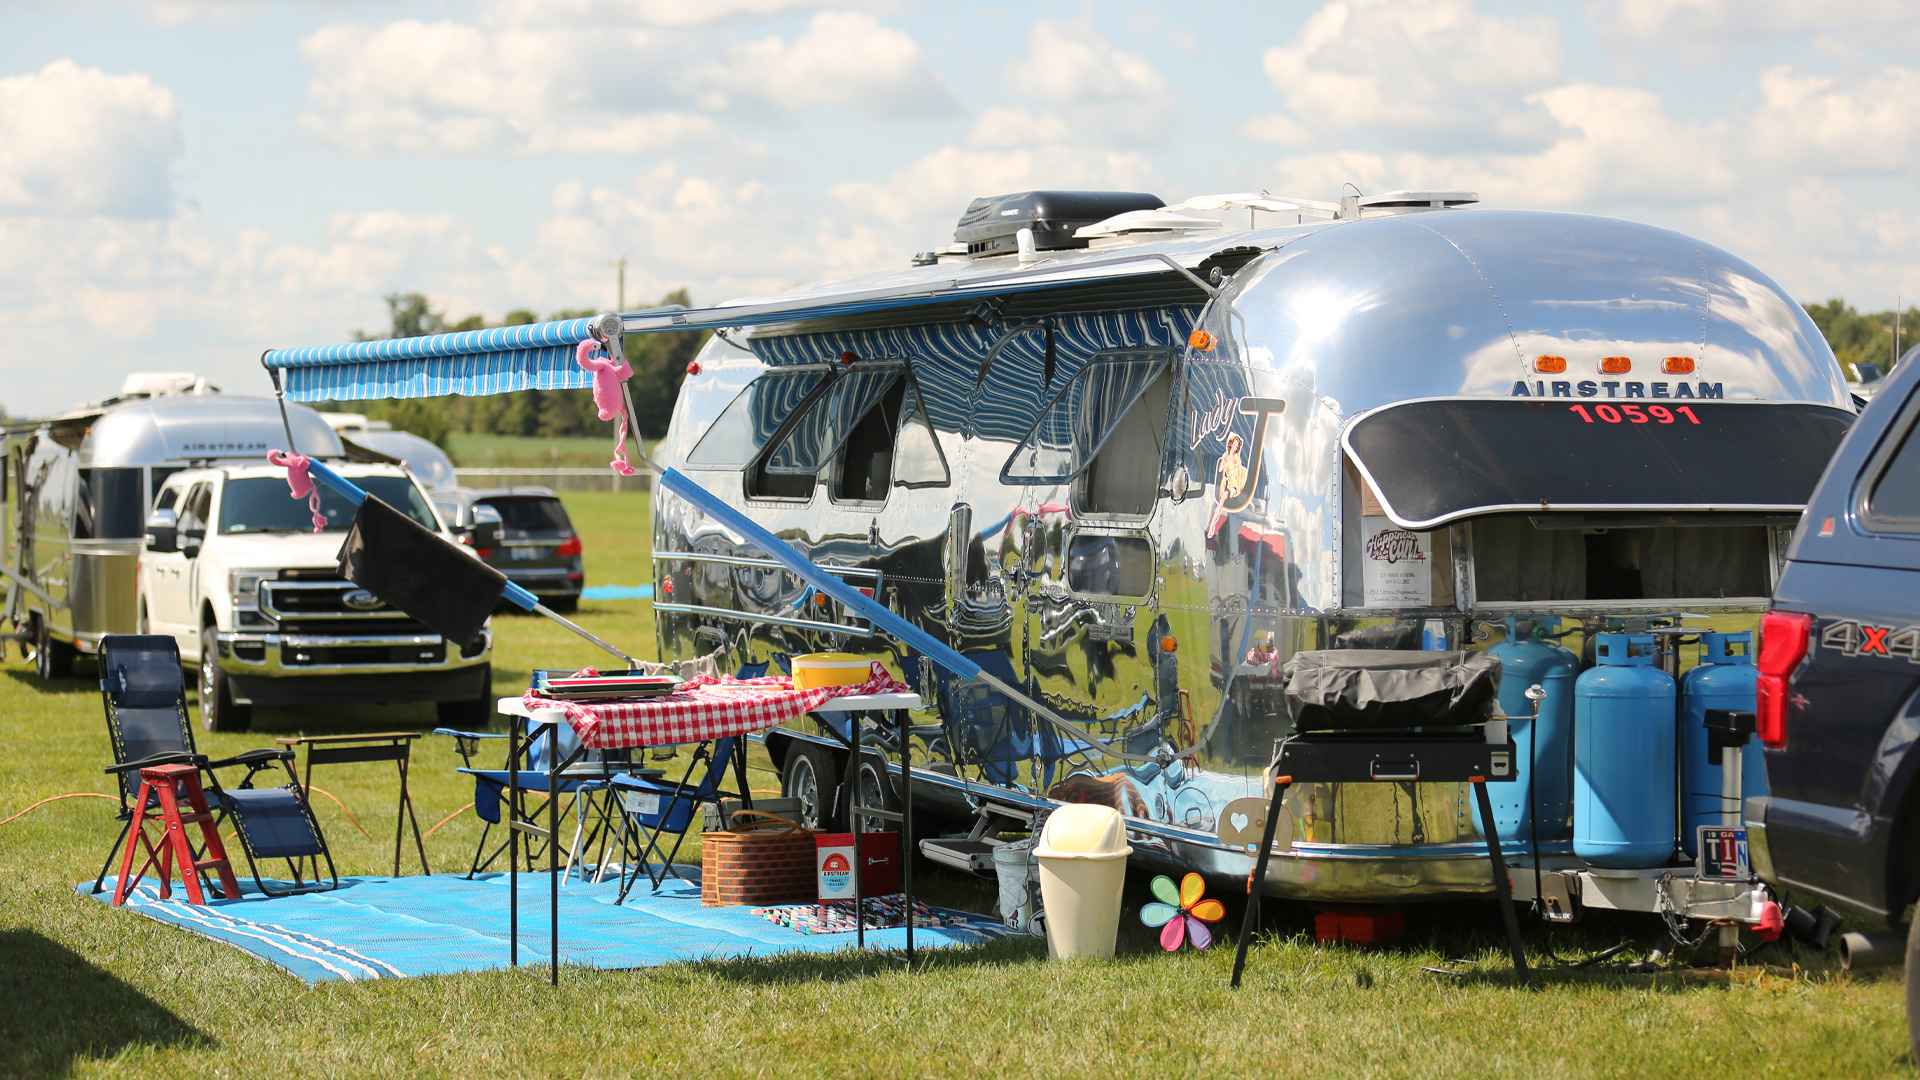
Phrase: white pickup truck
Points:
(235, 572)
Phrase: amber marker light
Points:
(1550, 365)
(1201, 340)
(819, 599)
(1677, 365)
(1615, 365)
(849, 358)
(1168, 644)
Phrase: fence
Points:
(557, 478)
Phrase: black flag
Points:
(420, 572)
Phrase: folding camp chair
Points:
(652, 808)
(583, 781)
(145, 697)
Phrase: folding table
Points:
(527, 724)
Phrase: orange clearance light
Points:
(1550, 365)
(1168, 644)
(1677, 365)
(1615, 365)
(849, 357)
(1201, 340)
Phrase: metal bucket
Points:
(1019, 874)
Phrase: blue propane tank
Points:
(1623, 750)
(1725, 679)
(1547, 765)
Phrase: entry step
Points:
(961, 853)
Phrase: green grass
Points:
(530, 451)
(89, 991)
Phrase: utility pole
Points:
(621, 267)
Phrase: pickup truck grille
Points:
(307, 655)
(322, 607)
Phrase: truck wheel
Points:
(217, 710)
(810, 775)
(563, 605)
(51, 659)
(474, 713)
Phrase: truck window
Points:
(194, 508)
(167, 498)
(1083, 417)
(753, 417)
(107, 505)
(257, 504)
(1893, 502)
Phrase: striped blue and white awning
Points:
(540, 356)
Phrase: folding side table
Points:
(394, 746)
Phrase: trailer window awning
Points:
(1435, 461)
(540, 356)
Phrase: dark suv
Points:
(524, 533)
(1839, 671)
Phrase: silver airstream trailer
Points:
(78, 489)
(1133, 459)
(1135, 478)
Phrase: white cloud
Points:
(1070, 65)
(76, 140)
(1817, 124)
(1016, 125)
(845, 60)
(1429, 73)
(1683, 22)
(657, 12)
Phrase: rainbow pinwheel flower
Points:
(1181, 913)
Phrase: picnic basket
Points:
(761, 863)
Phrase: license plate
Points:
(526, 554)
(1723, 853)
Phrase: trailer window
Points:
(822, 427)
(893, 444)
(1110, 565)
(752, 418)
(1123, 479)
(1083, 417)
(107, 505)
(1515, 559)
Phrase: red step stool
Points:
(170, 785)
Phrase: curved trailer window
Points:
(1080, 419)
(1432, 462)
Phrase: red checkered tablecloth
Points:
(704, 708)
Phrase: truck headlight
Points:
(245, 586)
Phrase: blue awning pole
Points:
(520, 597)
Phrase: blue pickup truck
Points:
(1838, 710)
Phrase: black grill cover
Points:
(1336, 689)
(420, 572)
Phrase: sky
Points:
(185, 183)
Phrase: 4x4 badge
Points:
(1865, 639)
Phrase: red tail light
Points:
(569, 546)
(1783, 644)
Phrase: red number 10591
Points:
(1634, 414)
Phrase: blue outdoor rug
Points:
(390, 928)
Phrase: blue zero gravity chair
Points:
(146, 704)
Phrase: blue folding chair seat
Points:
(655, 808)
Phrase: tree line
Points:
(659, 366)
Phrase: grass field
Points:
(88, 991)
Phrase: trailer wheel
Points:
(51, 659)
(217, 710)
(809, 774)
(876, 793)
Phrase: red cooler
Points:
(833, 855)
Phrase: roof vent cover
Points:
(991, 226)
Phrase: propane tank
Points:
(1725, 679)
(1623, 767)
(1547, 765)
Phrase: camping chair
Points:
(653, 808)
(146, 705)
(583, 781)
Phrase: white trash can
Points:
(1083, 869)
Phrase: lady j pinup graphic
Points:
(1236, 481)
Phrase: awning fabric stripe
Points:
(540, 356)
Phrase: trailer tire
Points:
(51, 659)
(217, 709)
(876, 784)
(811, 775)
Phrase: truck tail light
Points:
(1783, 644)
(569, 546)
